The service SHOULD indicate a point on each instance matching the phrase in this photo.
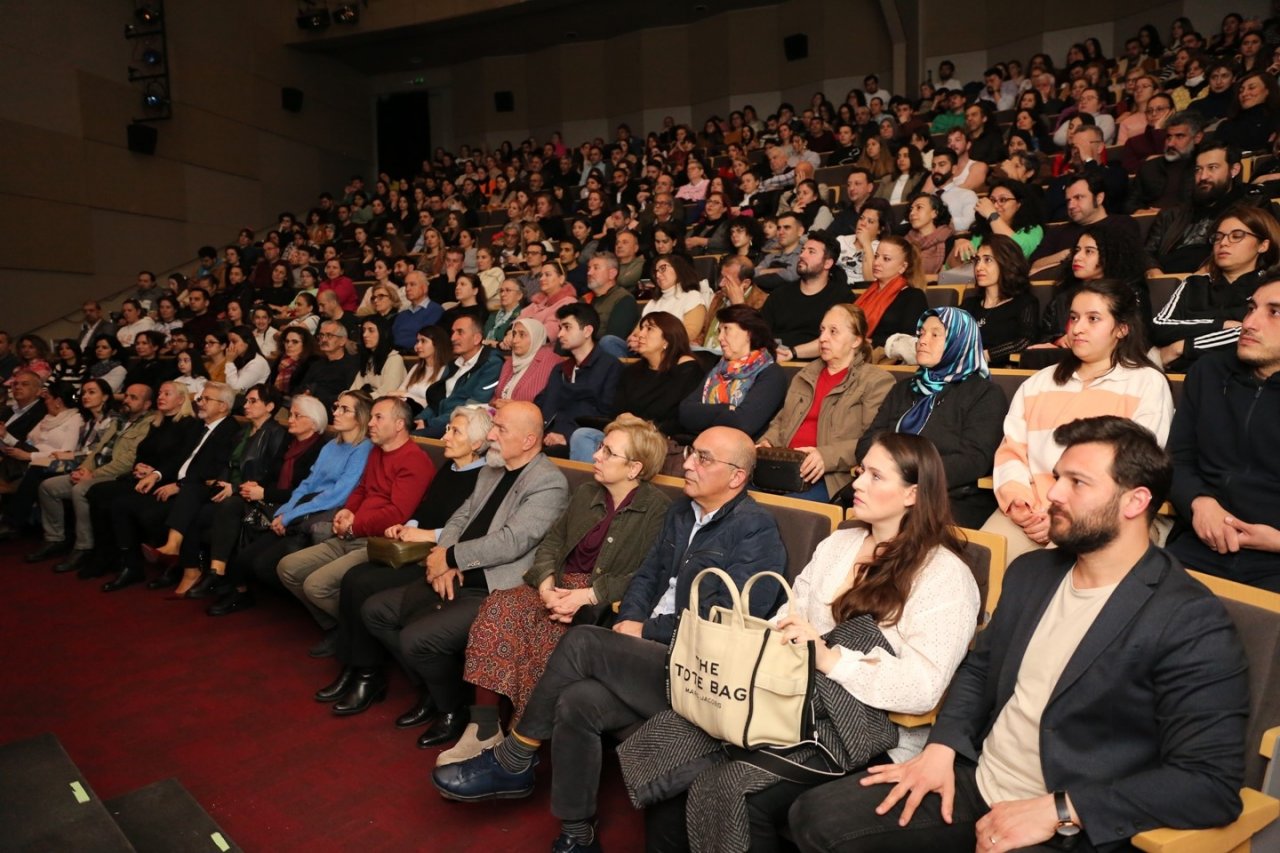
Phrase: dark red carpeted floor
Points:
(139, 688)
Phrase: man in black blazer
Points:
(141, 514)
(1108, 696)
(25, 408)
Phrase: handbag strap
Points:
(751, 581)
(775, 761)
(725, 579)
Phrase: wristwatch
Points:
(1067, 828)
(994, 215)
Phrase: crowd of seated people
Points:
(671, 304)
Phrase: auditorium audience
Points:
(1100, 253)
(679, 293)
(381, 368)
(580, 569)
(1008, 749)
(105, 364)
(486, 545)
(895, 296)
(930, 222)
(396, 474)
(472, 376)
(794, 310)
(332, 369)
(70, 368)
(857, 249)
(245, 366)
(554, 291)
(432, 348)
(510, 304)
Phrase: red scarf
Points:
(877, 298)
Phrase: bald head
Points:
(718, 467)
(516, 436)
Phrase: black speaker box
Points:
(504, 102)
(291, 99)
(795, 47)
(142, 138)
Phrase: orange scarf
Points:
(877, 298)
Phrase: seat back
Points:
(434, 448)
(1256, 614)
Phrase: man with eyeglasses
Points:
(600, 680)
(329, 375)
(143, 513)
(1165, 181)
(1179, 238)
(419, 311)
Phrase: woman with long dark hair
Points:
(245, 366)
(907, 177)
(1100, 252)
(901, 572)
(1007, 312)
(1106, 372)
(381, 367)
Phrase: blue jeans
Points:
(613, 345)
(583, 444)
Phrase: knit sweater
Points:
(1025, 459)
(330, 482)
(390, 488)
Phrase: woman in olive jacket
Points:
(830, 404)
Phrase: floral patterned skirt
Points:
(512, 639)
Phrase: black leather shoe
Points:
(230, 601)
(445, 728)
(127, 577)
(77, 560)
(336, 689)
(168, 578)
(419, 714)
(206, 587)
(326, 648)
(370, 686)
(49, 549)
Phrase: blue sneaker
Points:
(565, 844)
(482, 778)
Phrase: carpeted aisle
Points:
(139, 688)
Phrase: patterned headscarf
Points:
(961, 358)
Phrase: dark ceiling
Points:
(516, 29)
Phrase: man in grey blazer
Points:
(486, 545)
(1108, 696)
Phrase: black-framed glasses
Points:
(1235, 235)
(704, 459)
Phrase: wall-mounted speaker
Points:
(504, 102)
(795, 47)
(291, 99)
(142, 138)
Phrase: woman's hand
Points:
(963, 251)
(277, 525)
(224, 492)
(984, 208)
(568, 602)
(812, 467)
(796, 629)
(251, 491)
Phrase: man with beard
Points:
(1108, 695)
(1179, 238)
(960, 202)
(795, 309)
(1228, 502)
(1086, 198)
(1165, 181)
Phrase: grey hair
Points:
(479, 422)
(222, 392)
(1189, 119)
(339, 330)
(609, 258)
(311, 408)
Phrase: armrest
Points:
(914, 721)
(1269, 738)
(1258, 811)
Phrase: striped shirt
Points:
(1025, 458)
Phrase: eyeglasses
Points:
(1002, 199)
(704, 459)
(327, 335)
(607, 452)
(1232, 237)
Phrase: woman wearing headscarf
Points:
(526, 373)
(951, 401)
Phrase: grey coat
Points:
(506, 552)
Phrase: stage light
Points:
(152, 57)
(148, 14)
(155, 97)
(347, 14)
(314, 20)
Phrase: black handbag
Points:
(778, 470)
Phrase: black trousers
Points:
(428, 635)
(18, 506)
(356, 646)
(595, 682)
(224, 528)
(258, 558)
(840, 817)
(101, 498)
